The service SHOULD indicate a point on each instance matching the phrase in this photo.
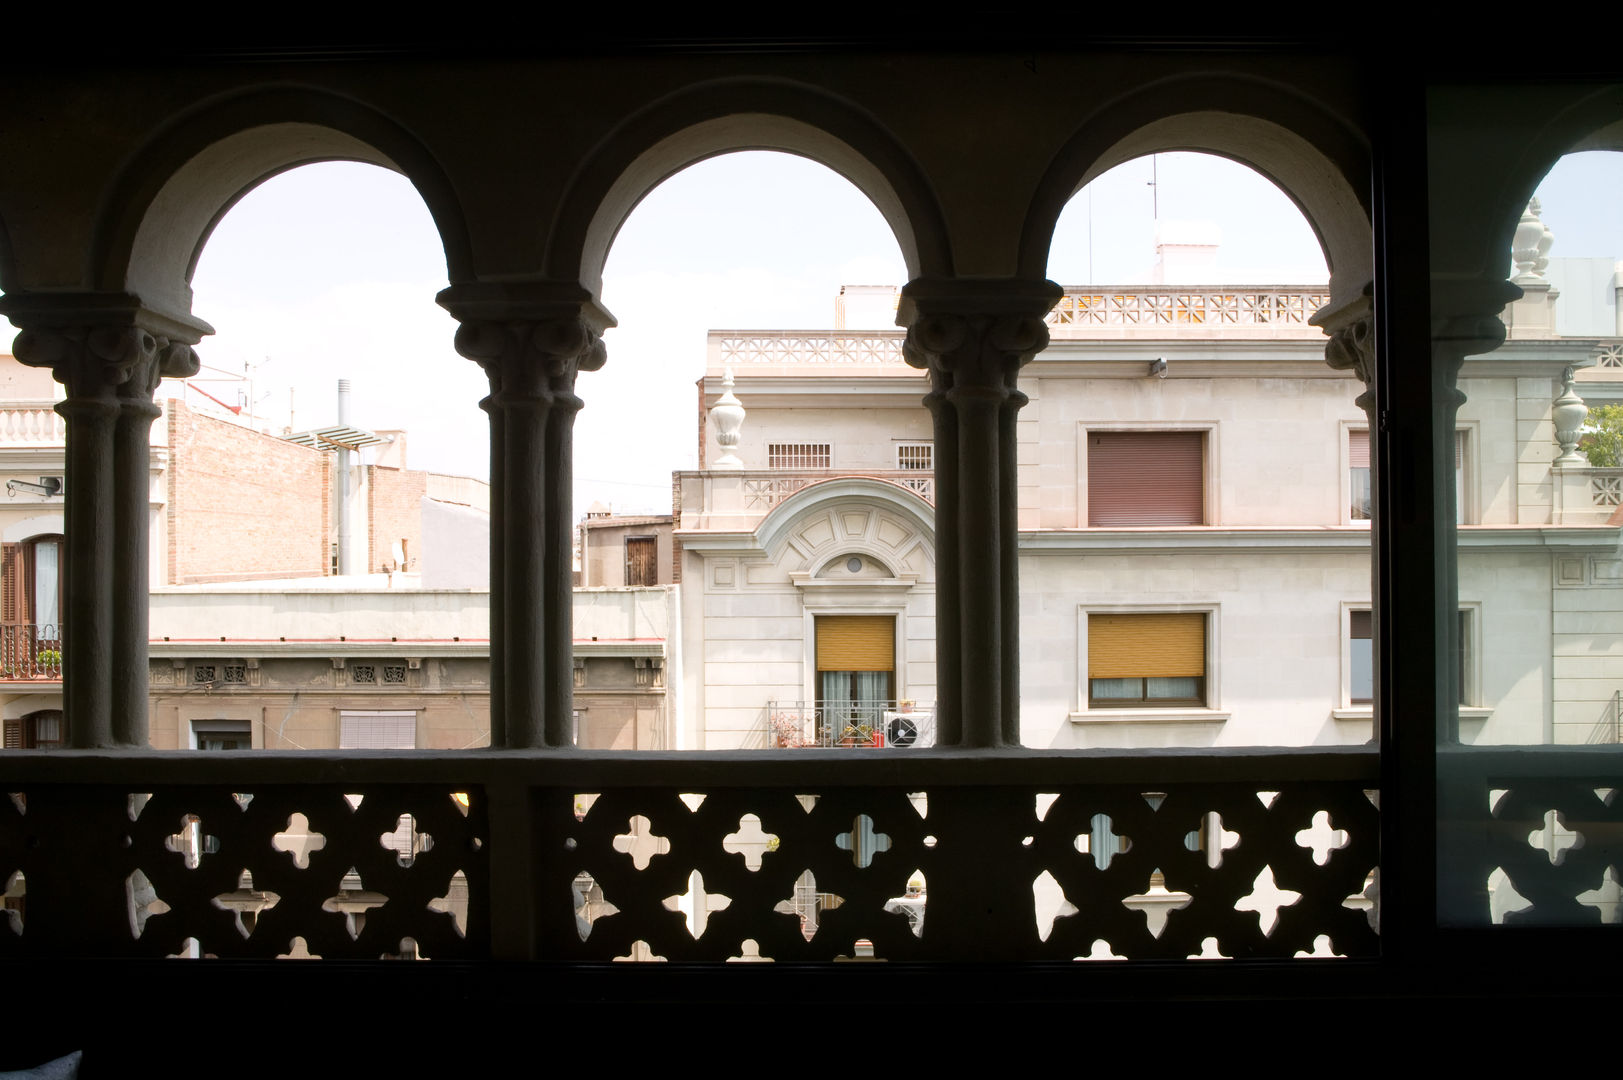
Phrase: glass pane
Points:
(1117, 689)
(1183, 688)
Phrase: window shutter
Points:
(856, 642)
(14, 728)
(11, 592)
(1146, 478)
(1358, 449)
(642, 560)
(1154, 645)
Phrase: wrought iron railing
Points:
(30, 651)
(850, 724)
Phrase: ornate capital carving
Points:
(533, 361)
(974, 336)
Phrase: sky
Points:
(329, 271)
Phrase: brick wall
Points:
(394, 512)
(242, 506)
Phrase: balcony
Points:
(30, 652)
(878, 725)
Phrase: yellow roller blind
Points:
(1155, 645)
(856, 642)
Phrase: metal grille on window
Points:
(920, 456)
(363, 673)
(799, 455)
(204, 673)
(394, 673)
(234, 673)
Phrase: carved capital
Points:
(975, 335)
(533, 362)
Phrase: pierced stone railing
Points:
(687, 857)
(764, 490)
(1174, 307)
(31, 423)
(1530, 836)
(804, 347)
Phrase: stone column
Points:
(103, 350)
(973, 337)
(532, 351)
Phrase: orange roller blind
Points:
(1156, 645)
(856, 642)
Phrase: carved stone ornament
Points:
(1569, 413)
(729, 416)
(1530, 248)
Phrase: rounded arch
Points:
(1321, 163)
(722, 117)
(1480, 222)
(790, 518)
(160, 210)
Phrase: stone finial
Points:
(729, 416)
(1569, 414)
(1531, 246)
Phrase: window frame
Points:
(361, 714)
(926, 446)
(1209, 430)
(1469, 664)
(1209, 712)
(1466, 511)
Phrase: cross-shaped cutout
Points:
(454, 903)
(1607, 899)
(862, 842)
(1049, 903)
(695, 905)
(233, 902)
(1322, 838)
(1555, 838)
(1101, 951)
(299, 841)
(1322, 949)
(751, 841)
(1266, 898)
(405, 841)
(353, 902)
(1103, 842)
(640, 842)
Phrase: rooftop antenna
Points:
(1155, 186)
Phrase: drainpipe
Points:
(343, 482)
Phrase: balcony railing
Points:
(31, 651)
(852, 724)
(31, 423)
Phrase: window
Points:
(642, 560)
(1360, 682)
(31, 609)
(222, 735)
(43, 730)
(1146, 660)
(919, 456)
(856, 662)
(377, 730)
(799, 455)
(1358, 487)
(1146, 478)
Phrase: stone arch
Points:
(162, 207)
(721, 117)
(1317, 159)
(846, 516)
(1481, 222)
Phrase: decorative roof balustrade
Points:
(1162, 309)
(859, 347)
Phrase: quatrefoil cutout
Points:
(862, 841)
(639, 842)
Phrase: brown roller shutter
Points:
(1146, 478)
(1148, 646)
(1358, 449)
(856, 643)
